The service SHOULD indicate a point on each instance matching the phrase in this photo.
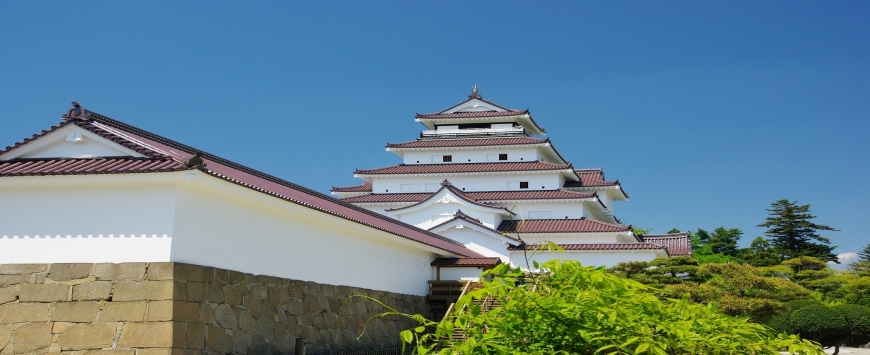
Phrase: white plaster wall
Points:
(461, 273)
(87, 218)
(559, 210)
(438, 213)
(577, 238)
(488, 182)
(483, 244)
(515, 154)
(588, 258)
(223, 225)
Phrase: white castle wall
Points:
(484, 155)
(488, 182)
(86, 218)
(589, 258)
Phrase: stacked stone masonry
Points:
(174, 308)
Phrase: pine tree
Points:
(864, 255)
(792, 234)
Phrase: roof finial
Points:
(76, 112)
(474, 94)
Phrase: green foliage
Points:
(792, 234)
(861, 267)
(864, 254)
(736, 289)
(641, 231)
(759, 253)
(572, 309)
(830, 326)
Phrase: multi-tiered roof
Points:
(479, 154)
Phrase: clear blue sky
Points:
(706, 111)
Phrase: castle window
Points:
(524, 184)
(447, 158)
(502, 157)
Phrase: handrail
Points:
(464, 291)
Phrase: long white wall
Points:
(589, 258)
(489, 182)
(540, 210)
(484, 245)
(86, 218)
(482, 155)
(228, 226)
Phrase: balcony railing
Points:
(474, 132)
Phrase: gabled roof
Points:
(677, 243)
(582, 225)
(461, 216)
(463, 168)
(479, 196)
(595, 246)
(446, 186)
(365, 187)
(454, 114)
(163, 148)
(467, 142)
(83, 166)
(466, 261)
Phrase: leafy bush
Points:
(572, 309)
(831, 326)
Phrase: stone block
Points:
(8, 294)
(160, 271)
(236, 277)
(5, 334)
(206, 314)
(23, 312)
(218, 340)
(87, 336)
(247, 323)
(196, 291)
(31, 338)
(195, 336)
(166, 351)
(44, 293)
(188, 273)
(145, 290)
(159, 311)
(60, 327)
(221, 277)
(66, 272)
(120, 272)
(7, 280)
(110, 352)
(123, 312)
(97, 290)
(21, 269)
(146, 335)
(233, 295)
(240, 342)
(215, 294)
(79, 312)
(225, 317)
(185, 311)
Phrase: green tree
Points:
(724, 241)
(573, 309)
(759, 253)
(703, 244)
(831, 326)
(792, 234)
(864, 254)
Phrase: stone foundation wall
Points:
(174, 308)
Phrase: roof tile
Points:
(596, 246)
(677, 243)
(462, 168)
(469, 142)
(475, 114)
(582, 225)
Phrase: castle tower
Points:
(483, 175)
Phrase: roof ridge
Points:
(79, 112)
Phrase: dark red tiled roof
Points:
(462, 168)
(466, 262)
(470, 142)
(596, 246)
(31, 167)
(475, 114)
(365, 187)
(477, 196)
(582, 225)
(677, 243)
(256, 180)
(590, 177)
